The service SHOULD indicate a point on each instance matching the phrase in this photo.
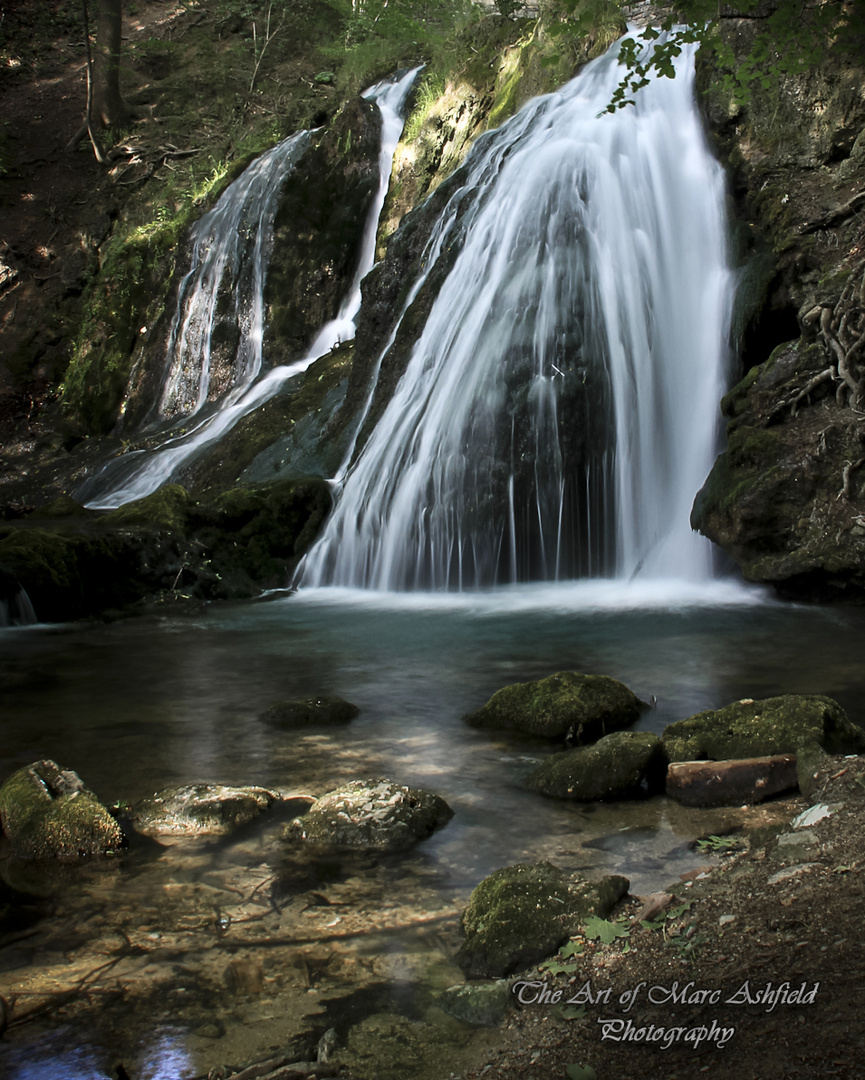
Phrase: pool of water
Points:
(150, 950)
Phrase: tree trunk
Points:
(108, 107)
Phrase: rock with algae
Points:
(521, 914)
(614, 766)
(201, 809)
(47, 813)
(372, 815)
(567, 704)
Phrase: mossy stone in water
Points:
(779, 725)
(370, 815)
(47, 813)
(615, 765)
(523, 913)
(581, 707)
(320, 710)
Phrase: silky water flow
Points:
(231, 247)
(558, 412)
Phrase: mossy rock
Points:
(320, 710)
(201, 809)
(780, 725)
(47, 813)
(165, 509)
(370, 815)
(523, 913)
(613, 767)
(70, 575)
(581, 707)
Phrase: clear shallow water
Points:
(138, 705)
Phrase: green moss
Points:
(523, 913)
(46, 816)
(583, 707)
(614, 766)
(780, 725)
(166, 508)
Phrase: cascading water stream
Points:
(557, 413)
(236, 237)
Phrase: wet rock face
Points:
(47, 813)
(320, 710)
(371, 815)
(614, 766)
(565, 705)
(201, 809)
(782, 498)
(225, 545)
(786, 498)
(523, 913)
(748, 728)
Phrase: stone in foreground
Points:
(615, 766)
(478, 1004)
(320, 710)
(569, 705)
(370, 815)
(740, 782)
(524, 913)
(47, 813)
(780, 725)
(201, 810)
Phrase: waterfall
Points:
(557, 413)
(231, 247)
(15, 606)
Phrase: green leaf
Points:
(581, 1072)
(555, 968)
(607, 932)
(573, 948)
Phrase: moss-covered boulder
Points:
(47, 813)
(319, 710)
(370, 815)
(200, 809)
(748, 728)
(615, 766)
(71, 573)
(580, 707)
(523, 913)
(213, 545)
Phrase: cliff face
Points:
(787, 497)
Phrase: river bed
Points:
(180, 956)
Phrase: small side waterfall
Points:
(557, 414)
(15, 606)
(231, 251)
(231, 246)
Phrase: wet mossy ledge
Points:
(171, 546)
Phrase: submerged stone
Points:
(375, 815)
(614, 766)
(201, 809)
(749, 728)
(320, 710)
(521, 914)
(47, 813)
(567, 704)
